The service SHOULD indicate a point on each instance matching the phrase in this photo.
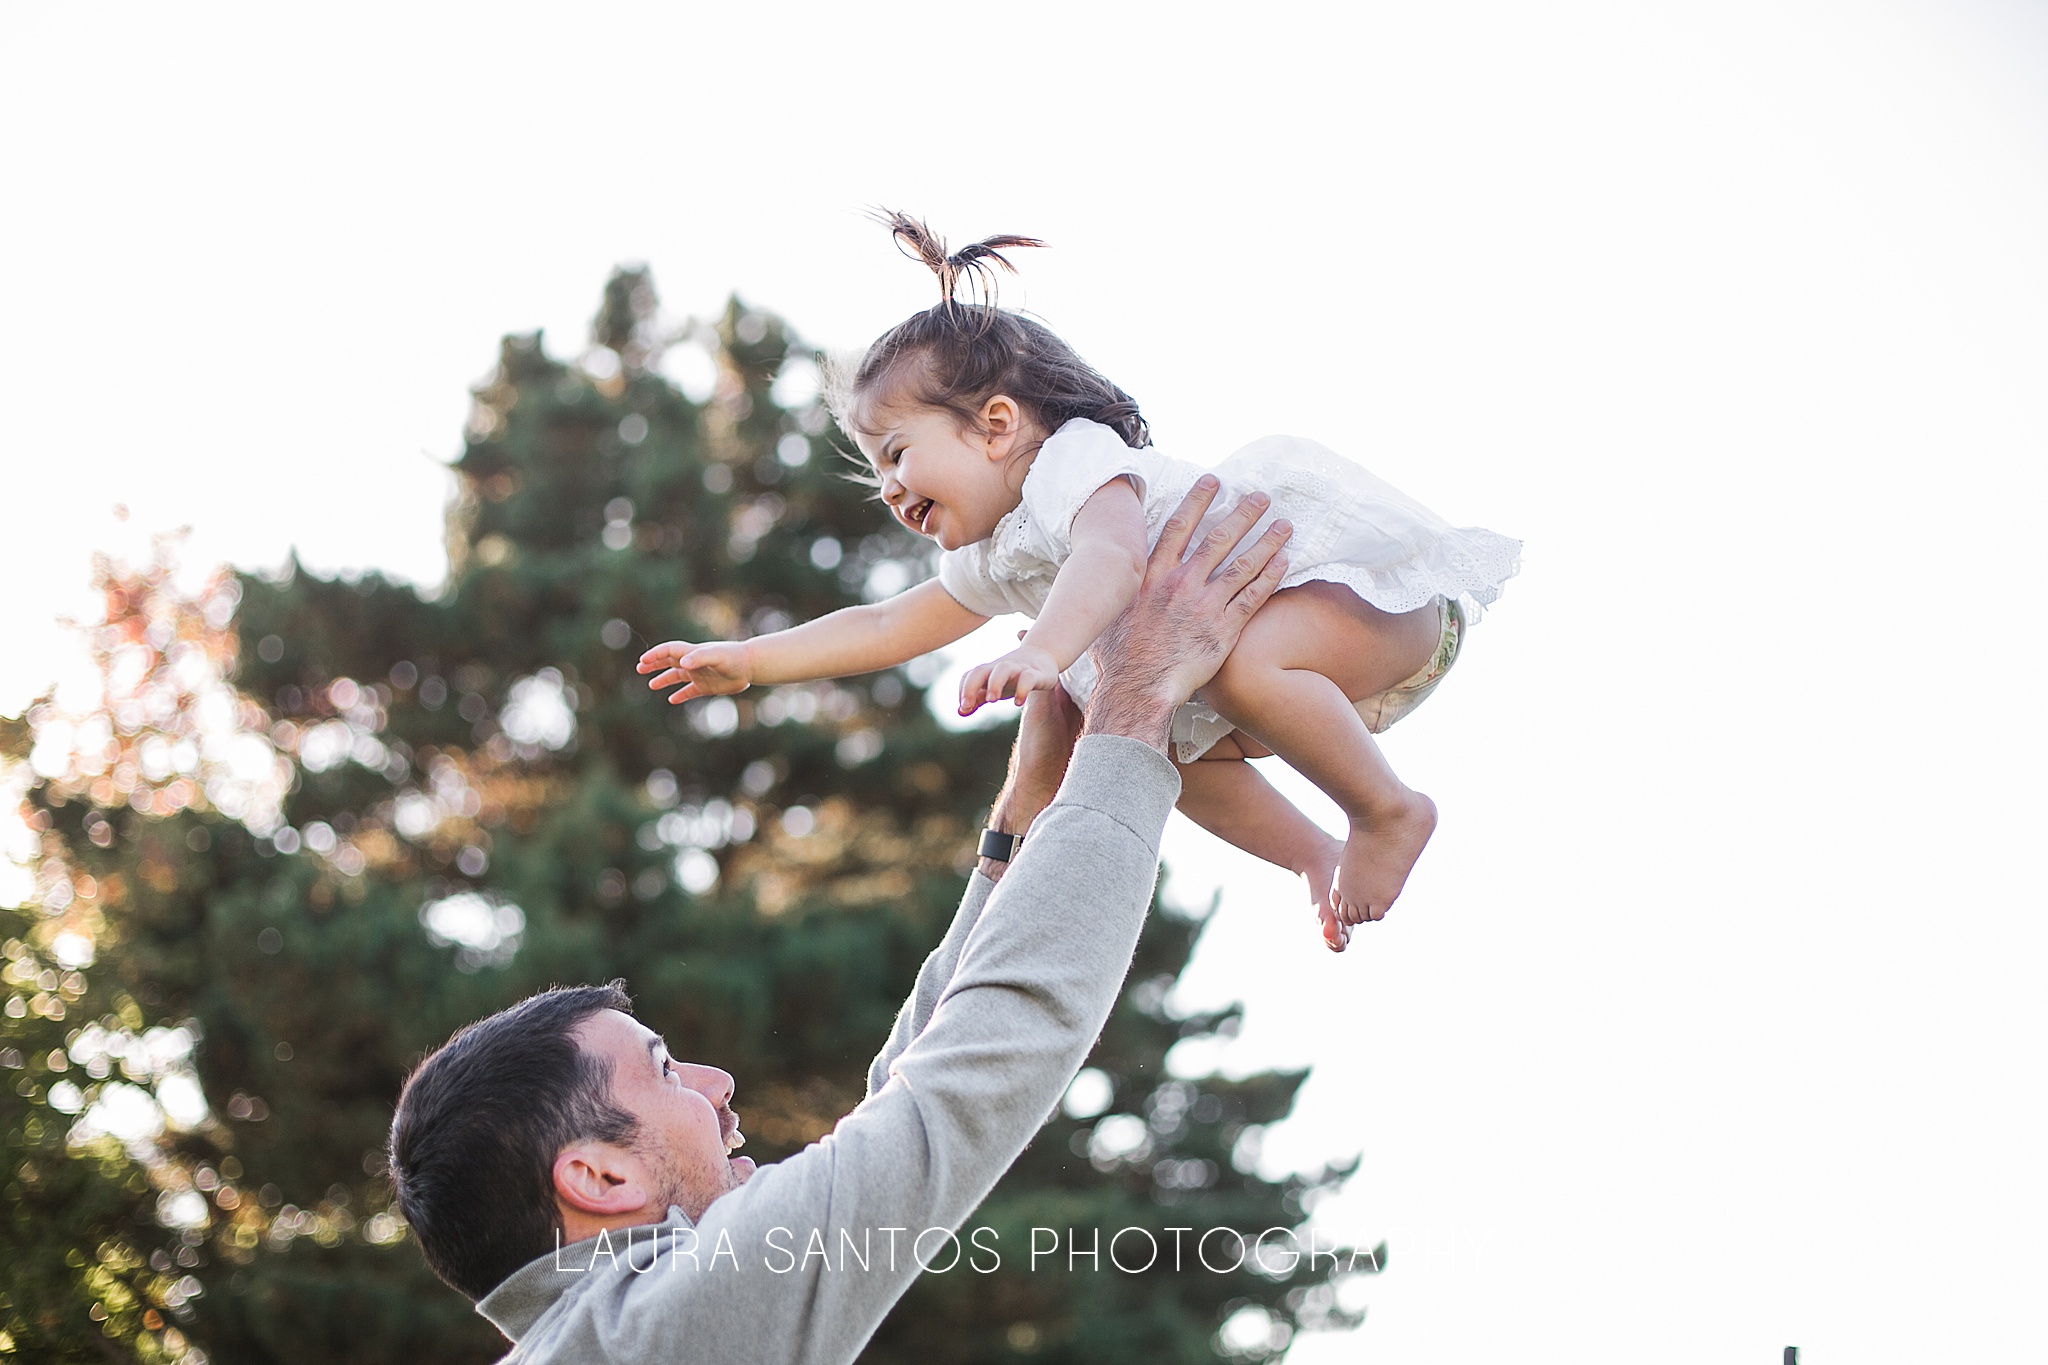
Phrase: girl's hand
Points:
(707, 670)
(1024, 670)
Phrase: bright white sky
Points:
(1712, 1020)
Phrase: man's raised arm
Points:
(1038, 761)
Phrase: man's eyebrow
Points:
(655, 1047)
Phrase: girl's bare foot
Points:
(1320, 872)
(1378, 856)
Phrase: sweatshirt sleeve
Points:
(932, 978)
(803, 1261)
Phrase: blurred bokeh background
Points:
(1710, 1021)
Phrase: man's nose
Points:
(708, 1081)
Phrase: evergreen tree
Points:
(431, 806)
(105, 1213)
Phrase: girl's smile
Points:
(943, 481)
(918, 515)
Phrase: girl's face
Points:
(944, 482)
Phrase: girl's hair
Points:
(958, 355)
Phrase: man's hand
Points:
(1183, 623)
(1024, 670)
(707, 670)
(1045, 741)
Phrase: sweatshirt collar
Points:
(525, 1296)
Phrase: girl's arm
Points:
(1097, 582)
(851, 640)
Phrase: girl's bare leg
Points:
(1290, 684)
(1225, 795)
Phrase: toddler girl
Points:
(1035, 475)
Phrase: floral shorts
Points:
(1397, 701)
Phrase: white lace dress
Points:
(1350, 527)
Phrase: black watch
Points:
(999, 846)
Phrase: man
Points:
(556, 1164)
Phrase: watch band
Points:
(999, 846)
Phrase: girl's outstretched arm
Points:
(850, 640)
(1097, 582)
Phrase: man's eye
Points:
(666, 1066)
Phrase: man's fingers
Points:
(1249, 565)
(1229, 531)
(1253, 595)
(1180, 526)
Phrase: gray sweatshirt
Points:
(802, 1262)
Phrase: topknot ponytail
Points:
(974, 262)
(957, 355)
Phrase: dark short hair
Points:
(480, 1123)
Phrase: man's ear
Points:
(599, 1179)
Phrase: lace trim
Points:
(1472, 567)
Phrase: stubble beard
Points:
(678, 1189)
